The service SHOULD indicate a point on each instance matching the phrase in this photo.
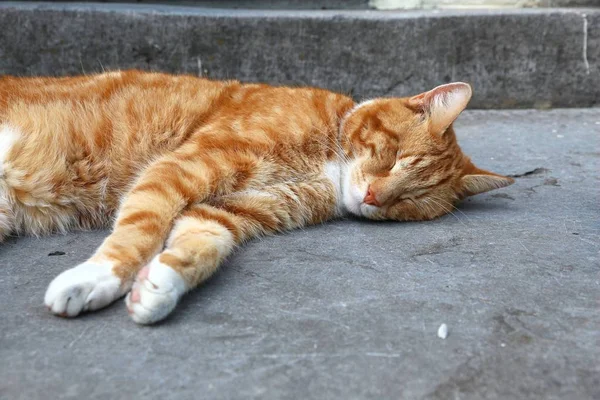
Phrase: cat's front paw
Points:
(155, 293)
(89, 286)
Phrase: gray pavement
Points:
(351, 309)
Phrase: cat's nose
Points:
(370, 198)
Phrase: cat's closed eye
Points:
(403, 162)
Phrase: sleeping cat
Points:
(185, 169)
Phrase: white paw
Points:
(89, 286)
(155, 293)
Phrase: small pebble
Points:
(502, 344)
(560, 136)
(443, 331)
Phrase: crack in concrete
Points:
(536, 171)
(585, 40)
(396, 84)
(202, 69)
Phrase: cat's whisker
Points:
(340, 151)
(449, 211)
(417, 205)
(453, 207)
(430, 208)
(337, 149)
(101, 66)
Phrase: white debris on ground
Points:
(443, 331)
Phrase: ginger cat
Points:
(185, 169)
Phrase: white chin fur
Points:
(368, 210)
(352, 196)
(349, 195)
(334, 171)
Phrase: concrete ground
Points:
(351, 309)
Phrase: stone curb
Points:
(513, 58)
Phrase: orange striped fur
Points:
(185, 168)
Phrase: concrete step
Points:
(264, 4)
(513, 58)
(356, 4)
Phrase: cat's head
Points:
(406, 162)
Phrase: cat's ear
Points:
(476, 180)
(443, 104)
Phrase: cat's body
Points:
(80, 144)
(188, 168)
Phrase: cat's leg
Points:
(201, 238)
(143, 223)
(205, 235)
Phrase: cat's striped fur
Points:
(185, 169)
